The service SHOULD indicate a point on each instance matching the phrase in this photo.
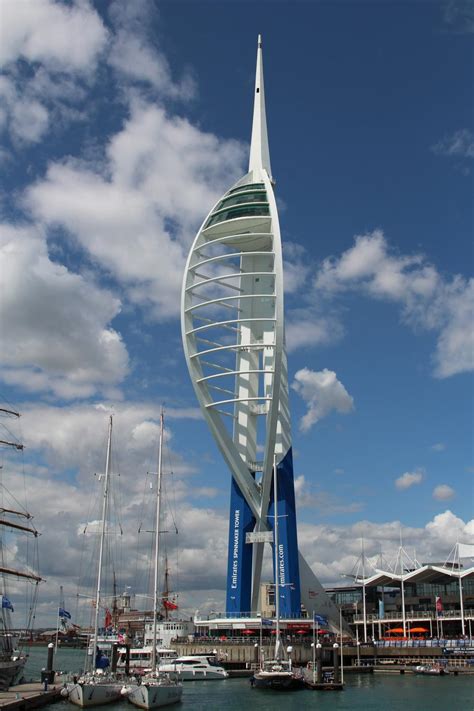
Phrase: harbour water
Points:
(365, 692)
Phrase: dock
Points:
(29, 696)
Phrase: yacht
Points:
(277, 675)
(193, 667)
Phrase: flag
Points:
(108, 619)
(169, 605)
(6, 604)
(321, 620)
(64, 613)
(381, 609)
(439, 605)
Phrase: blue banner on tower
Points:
(288, 564)
(239, 560)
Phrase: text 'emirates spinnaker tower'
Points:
(234, 341)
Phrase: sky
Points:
(122, 124)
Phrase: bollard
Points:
(335, 656)
(49, 664)
(319, 665)
(114, 656)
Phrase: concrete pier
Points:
(29, 696)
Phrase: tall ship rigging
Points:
(16, 524)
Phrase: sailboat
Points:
(97, 687)
(12, 659)
(156, 688)
(277, 673)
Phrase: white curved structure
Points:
(232, 322)
(233, 334)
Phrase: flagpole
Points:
(57, 633)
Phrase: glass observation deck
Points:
(235, 212)
(248, 186)
(246, 201)
(242, 198)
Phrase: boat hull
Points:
(10, 671)
(155, 695)
(276, 682)
(184, 674)
(85, 694)
(430, 671)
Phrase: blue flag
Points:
(6, 604)
(64, 613)
(321, 620)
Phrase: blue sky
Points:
(121, 125)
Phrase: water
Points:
(363, 692)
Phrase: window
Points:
(249, 186)
(233, 213)
(241, 198)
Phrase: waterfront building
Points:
(233, 331)
(436, 596)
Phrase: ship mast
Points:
(157, 541)
(105, 498)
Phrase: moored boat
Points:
(277, 675)
(431, 669)
(94, 689)
(194, 667)
(155, 689)
(96, 686)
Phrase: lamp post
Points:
(358, 653)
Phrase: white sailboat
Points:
(156, 688)
(277, 673)
(97, 687)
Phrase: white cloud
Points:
(137, 216)
(427, 299)
(443, 492)
(460, 144)
(408, 479)
(459, 16)
(133, 52)
(76, 441)
(322, 393)
(324, 502)
(296, 266)
(438, 447)
(71, 36)
(431, 543)
(308, 328)
(55, 325)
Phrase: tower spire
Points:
(259, 151)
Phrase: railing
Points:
(420, 615)
(452, 644)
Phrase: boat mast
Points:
(102, 540)
(166, 591)
(277, 585)
(157, 541)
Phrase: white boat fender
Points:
(125, 690)
(64, 692)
